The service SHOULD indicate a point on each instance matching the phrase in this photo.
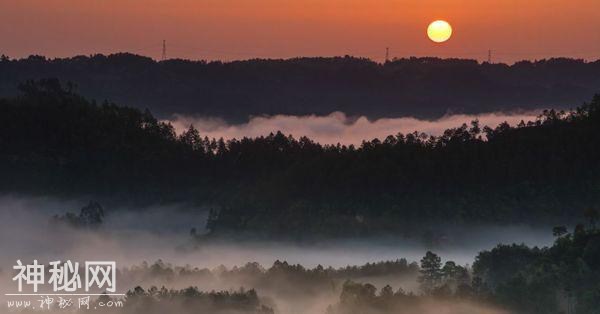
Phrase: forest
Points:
(55, 142)
(562, 278)
(234, 91)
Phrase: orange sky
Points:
(242, 29)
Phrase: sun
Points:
(439, 31)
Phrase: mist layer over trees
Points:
(562, 278)
(234, 91)
(338, 128)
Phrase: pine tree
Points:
(431, 272)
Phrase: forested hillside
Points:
(562, 278)
(53, 141)
(420, 87)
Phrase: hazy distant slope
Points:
(421, 87)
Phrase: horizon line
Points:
(392, 60)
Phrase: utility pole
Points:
(164, 50)
(489, 56)
(387, 54)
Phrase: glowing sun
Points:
(439, 31)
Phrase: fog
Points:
(338, 127)
(131, 236)
(162, 232)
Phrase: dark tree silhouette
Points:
(431, 272)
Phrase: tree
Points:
(92, 215)
(386, 292)
(449, 271)
(191, 138)
(431, 272)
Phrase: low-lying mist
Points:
(338, 127)
(134, 237)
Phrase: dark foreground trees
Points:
(564, 278)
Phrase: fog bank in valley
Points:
(162, 232)
(132, 236)
(338, 127)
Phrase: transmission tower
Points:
(387, 54)
(489, 60)
(164, 50)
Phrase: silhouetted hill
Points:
(421, 87)
(55, 142)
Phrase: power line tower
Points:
(489, 60)
(164, 50)
(387, 54)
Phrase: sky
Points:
(244, 29)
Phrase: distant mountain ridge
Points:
(419, 87)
